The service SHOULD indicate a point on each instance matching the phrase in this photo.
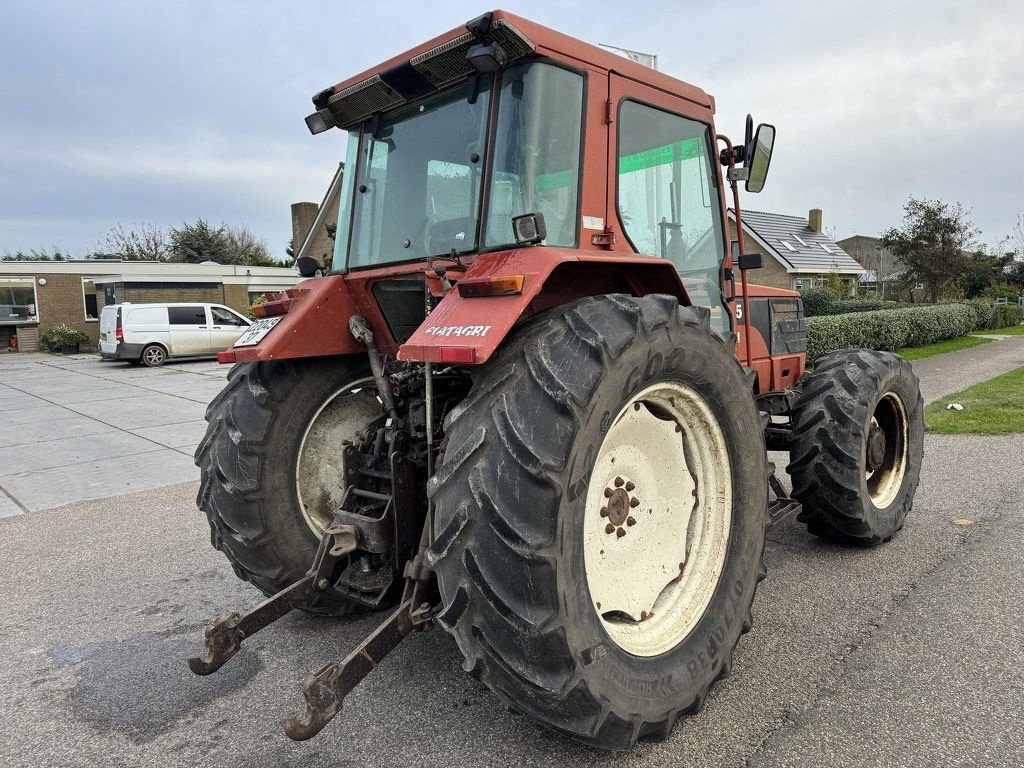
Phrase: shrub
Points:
(256, 301)
(982, 313)
(1005, 316)
(62, 333)
(889, 329)
(819, 302)
(1003, 291)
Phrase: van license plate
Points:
(257, 331)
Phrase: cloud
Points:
(119, 111)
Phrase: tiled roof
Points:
(807, 250)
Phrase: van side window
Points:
(223, 317)
(187, 315)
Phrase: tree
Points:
(934, 243)
(143, 242)
(198, 242)
(249, 249)
(1017, 237)
(834, 285)
(34, 255)
(982, 271)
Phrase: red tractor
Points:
(529, 402)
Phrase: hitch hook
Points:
(326, 689)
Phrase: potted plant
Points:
(49, 340)
(69, 338)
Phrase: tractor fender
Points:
(310, 315)
(467, 330)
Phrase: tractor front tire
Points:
(610, 449)
(858, 442)
(271, 464)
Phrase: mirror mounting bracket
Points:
(731, 155)
(738, 174)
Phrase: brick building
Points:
(35, 295)
(797, 254)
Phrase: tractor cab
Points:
(603, 160)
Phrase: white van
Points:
(150, 333)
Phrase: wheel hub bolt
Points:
(620, 502)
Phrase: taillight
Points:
(227, 356)
(458, 355)
(119, 334)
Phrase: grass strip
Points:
(993, 407)
(942, 347)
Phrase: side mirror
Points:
(308, 266)
(759, 157)
(751, 261)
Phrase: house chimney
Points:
(303, 216)
(814, 219)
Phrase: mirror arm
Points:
(730, 153)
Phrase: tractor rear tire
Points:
(858, 442)
(264, 499)
(519, 549)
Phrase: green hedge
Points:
(981, 312)
(888, 329)
(1005, 316)
(819, 302)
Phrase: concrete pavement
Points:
(77, 428)
(906, 654)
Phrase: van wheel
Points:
(153, 356)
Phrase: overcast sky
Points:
(161, 112)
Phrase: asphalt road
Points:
(908, 654)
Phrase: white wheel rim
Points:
(154, 355)
(885, 478)
(657, 520)
(319, 470)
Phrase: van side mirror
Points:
(759, 157)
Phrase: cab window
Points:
(668, 197)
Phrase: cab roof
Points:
(441, 61)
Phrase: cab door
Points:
(664, 196)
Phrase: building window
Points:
(825, 248)
(18, 300)
(788, 245)
(89, 298)
(799, 240)
(802, 283)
